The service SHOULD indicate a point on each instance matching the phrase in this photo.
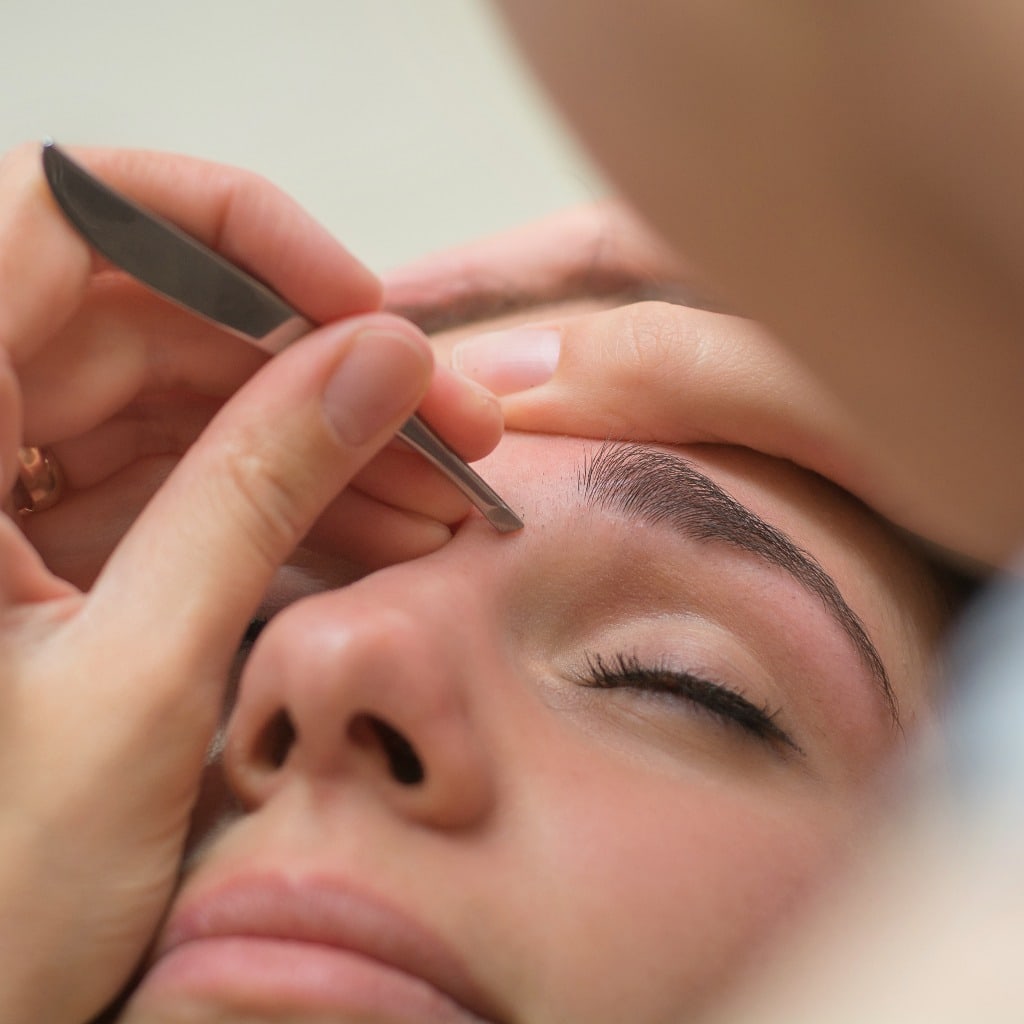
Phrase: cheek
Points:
(675, 885)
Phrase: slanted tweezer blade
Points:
(163, 257)
(418, 435)
(182, 269)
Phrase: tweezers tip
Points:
(503, 519)
(53, 158)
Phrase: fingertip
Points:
(506, 362)
(464, 413)
(386, 366)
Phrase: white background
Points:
(403, 125)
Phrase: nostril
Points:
(403, 761)
(275, 741)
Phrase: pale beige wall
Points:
(405, 125)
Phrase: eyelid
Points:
(649, 484)
(728, 705)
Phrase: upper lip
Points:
(325, 912)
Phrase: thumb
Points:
(656, 371)
(144, 662)
(201, 556)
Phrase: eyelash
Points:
(251, 635)
(628, 672)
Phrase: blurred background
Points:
(404, 125)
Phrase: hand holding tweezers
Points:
(185, 271)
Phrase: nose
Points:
(375, 685)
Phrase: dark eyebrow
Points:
(488, 302)
(480, 300)
(658, 487)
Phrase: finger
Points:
(125, 341)
(466, 415)
(403, 479)
(161, 426)
(470, 420)
(660, 372)
(167, 425)
(10, 425)
(25, 580)
(399, 514)
(249, 490)
(247, 219)
(366, 533)
(235, 212)
(77, 535)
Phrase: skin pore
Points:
(592, 767)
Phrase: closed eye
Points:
(628, 672)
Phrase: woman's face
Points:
(580, 773)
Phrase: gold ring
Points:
(40, 480)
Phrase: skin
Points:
(473, 653)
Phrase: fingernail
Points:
(508, 361)
(374, 382)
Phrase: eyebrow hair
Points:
(493, 296)
(485, 303)
(661, 488)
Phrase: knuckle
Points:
(652, 348)
(662, 343)
(266, 500)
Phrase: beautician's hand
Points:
(645, 370)
(118, 382)
(108, 699)
(657, 371)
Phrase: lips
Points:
(276, 945)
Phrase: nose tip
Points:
(354, 693)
